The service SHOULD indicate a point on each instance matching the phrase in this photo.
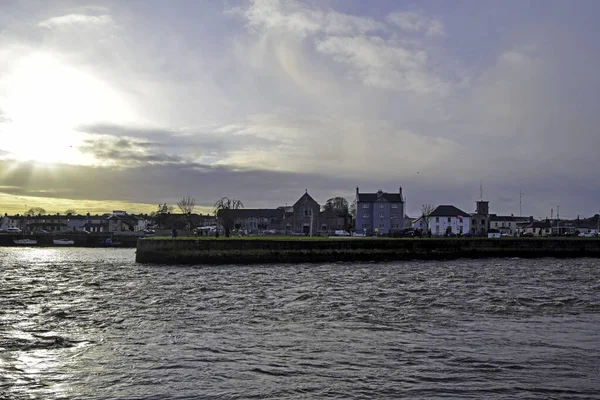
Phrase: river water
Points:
(92, 324)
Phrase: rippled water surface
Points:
(92, 324)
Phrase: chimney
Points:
(357, 190)
(400, 191)
(379, 193)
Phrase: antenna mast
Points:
(481, 191)
(520, 203)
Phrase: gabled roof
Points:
(447, 211)
(379, 196)
(305, 198)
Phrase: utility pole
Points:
(557, 220)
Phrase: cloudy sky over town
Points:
(127, 104)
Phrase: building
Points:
(258, 219)
(480, 223)
(380, 212)
(444, 220)
(507, 224)
(10, 222)
(122, 223)
(305, 216)
(538, 228)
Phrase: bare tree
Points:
(70, 211)
(187, 205)
(352, 209)
(224, 211)
(426, 210)
(339, 205)
(35, 211)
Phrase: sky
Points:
(127, 104)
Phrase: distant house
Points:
(538, 228)
(507, 224)
(258, 219)
(49, 223)
(379, 212)
(122, 223)
(446, 219)
(10, 222)
(330, 221)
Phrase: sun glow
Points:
(46, 101)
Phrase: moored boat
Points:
(111, 243)
(25, 242)
(63, 242)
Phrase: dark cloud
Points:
(157, 183)
(125, 152)
(194, 144)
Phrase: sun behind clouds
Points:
(46, 100)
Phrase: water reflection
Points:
(90, 323)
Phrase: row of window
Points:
(381, 205)
(437, 228)
(381, 215)
(381, 226)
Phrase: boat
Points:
(26, 242)
(111, 243)
(63, 242)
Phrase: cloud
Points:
(70, 20)
(268, 15)
(416, 23)
(4, 117)
(383, 63)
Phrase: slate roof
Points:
(373, 197)
(306, 197)
(447, 211)
(257, 213)
(509, 218)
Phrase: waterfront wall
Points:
(81, 240)
(241, 251)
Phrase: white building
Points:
(507, 224)
(10, 222)
(445, 220)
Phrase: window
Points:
(449, 219)
(482, 222)
(365, 215)
(394, 216)
(381, 205)
(365, 205)
(381, 215)
(395, 226)
(437, 219)
(381, 226)
(496, 224)
(395, 205)
(437, 229)
(365, 226)
(305, 212)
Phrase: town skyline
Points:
(124, 105)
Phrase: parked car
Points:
(341, 233)
(13, 230)
(587, 235)
(527, 234)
